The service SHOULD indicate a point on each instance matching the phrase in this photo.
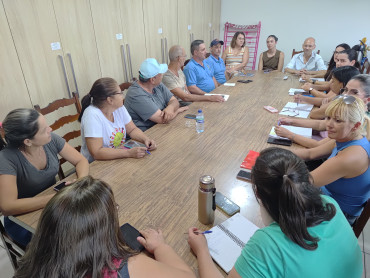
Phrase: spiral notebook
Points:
(227, 240)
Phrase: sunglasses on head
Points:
(346, 99)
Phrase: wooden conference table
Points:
(161, 190)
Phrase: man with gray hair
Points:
(174, 79)
(306, 62)
(199, 74)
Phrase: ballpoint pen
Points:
(202, 233)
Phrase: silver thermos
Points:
(206, 200)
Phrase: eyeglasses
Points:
(292, 112)
(120, 93)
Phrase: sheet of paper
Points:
(226, 97)
(229, 84)
(292, 91)
(299, 106)
(304, 131)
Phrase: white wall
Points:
(330, 22)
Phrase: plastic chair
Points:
(55, 105)
(14, 250)
(297, 52)
(361, 221)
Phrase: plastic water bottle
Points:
(200, 121)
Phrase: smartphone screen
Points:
(276, 141)
(59, 186)
(226, 205)
(130, 235)
(244, 175)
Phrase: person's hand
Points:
(217, 98)
(137, 152)
(283, 132)
(298, 98)
(151, 239)
(303, 71)
(182, 109)
(285, 121)
(306, 86)
(70, 182)
(196, 242)
(168, 114)
(151, 145)
(306, 78)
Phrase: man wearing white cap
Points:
(148, 101)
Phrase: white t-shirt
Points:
(95, 124)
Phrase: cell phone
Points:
(277, 141)
(133, 144)
(226, 205)
(244, 175)
(130, 235)
(190, 116)
(245, 81)
(60, 186)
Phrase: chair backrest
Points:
(55, 105)
(123, 87)
(361, 221)
(297, 52)
(14, 250)
(366, 67)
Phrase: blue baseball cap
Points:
(216, 41)
(150, 68)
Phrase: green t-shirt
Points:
(269, 253)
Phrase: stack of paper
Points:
(299, 110)
(304, 131)
(226, 97)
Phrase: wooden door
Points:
(216, 18)
(207, 22)
(77, 35)
(109, 38)
(153, 23)
(34, 31)
(134, 34)
(170, 31)
(197, 19)
(13, 88)
(184, 24)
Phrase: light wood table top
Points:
(161, 190)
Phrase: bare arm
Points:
(323, 150)
(319, 113)
(76, 158)
(319, 125)
(244, 62)
(167, 263)
(348, 163)
(9, 202)
(260, 62)
(293, 71)
(137, 134)
(195, 90)
(191, 97)
(311, 100)
(281, 62)
(316, 73)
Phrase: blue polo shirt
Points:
(218, 67)
(198, 75)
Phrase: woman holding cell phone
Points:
(78, 235)
(28, 165)
(105, 123)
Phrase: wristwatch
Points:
(310, 90)
(314, 81)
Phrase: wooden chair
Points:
(14, 250)
(55, 105)
(361, 221)
(297, 52)
(366, 67)
(125, 86)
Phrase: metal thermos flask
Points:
(206, 200)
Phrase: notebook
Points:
(299, 110)
(227, 240)
(304, 131)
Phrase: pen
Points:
(148, 152)
(279, 122)
(201, 233)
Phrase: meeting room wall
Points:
(329, 22)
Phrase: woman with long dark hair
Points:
(105, 124)
(78, 235)
(303, 228)
(28, 165)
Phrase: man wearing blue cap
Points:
(148, 101)
(216, 62)
(199, 75)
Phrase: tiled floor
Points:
(6, 269)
